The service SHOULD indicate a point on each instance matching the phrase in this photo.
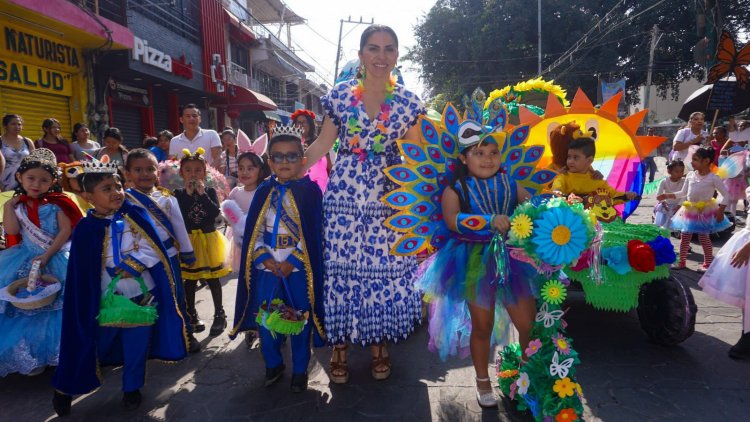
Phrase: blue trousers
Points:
(129, 346)
(270, 286)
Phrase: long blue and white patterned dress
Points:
(31, 338)
(369, 294)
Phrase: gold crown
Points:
(99, 166)
(288, 130)
(41, 155)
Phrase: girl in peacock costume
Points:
(479, 173)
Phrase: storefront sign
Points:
(27, 46)
(182, 68)
(129, 94)
(151, 56)
(34, 78)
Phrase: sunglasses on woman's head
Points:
(290, 157)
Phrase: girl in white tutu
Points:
(699, 213)
(728, 280)
(664, 210)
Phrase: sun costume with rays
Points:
(470, 265)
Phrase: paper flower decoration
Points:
(553, 292)
(564, 387)
(523, 383)
(566, 415)
(508, 373)
(663, 250)
(616, 258)
(640, 256)
(561, 344)
(521, 226)
(534, 346)
(583, 262)
(559, 236)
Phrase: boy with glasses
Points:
(284, 247)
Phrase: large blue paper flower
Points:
(616, 258)
(663, 250)
(560, 236)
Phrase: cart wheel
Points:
(666, 310)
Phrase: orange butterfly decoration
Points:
(731, 60)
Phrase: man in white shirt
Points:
(194, 136)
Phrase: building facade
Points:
(46, 59)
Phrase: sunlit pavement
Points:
(624, 376)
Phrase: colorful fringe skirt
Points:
(699, 217)
(462, 273)
(210, 256)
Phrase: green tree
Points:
(462, 44)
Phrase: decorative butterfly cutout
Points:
(560, 369)
(546, 317)
(730, 59)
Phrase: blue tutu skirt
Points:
(463, 272)
(699, 217)
(29, 338)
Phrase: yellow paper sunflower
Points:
(554, 292)
(521, 226)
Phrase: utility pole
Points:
(338, 48)
(655, 37)
(539, 35)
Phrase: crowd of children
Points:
(57, 309)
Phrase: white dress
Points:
(729, 284)
(664, 210)
(369, 294)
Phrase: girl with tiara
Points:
(199, 205)
(39, 222)
(467, 296)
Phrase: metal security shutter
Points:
(161, 113)
(128, 120)
(34, 107)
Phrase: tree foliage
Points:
(462, 44)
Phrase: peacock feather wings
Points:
(430, 162)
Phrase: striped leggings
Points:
(705, 240)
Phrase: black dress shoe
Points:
(131, 400)
(197, 325)
(741, 350)
(219, 324)
(61, 403)
(193, 345)
(299, 383)
(273, 374)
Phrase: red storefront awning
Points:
(238, 28)
(247, 99)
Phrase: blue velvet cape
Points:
(78, 371)
(309, 201)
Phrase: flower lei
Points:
(377, 146)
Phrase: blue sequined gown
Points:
(30, 339)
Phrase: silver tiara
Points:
(99, 166)
(41, 155)
(289, 130)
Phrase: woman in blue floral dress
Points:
(369, 294)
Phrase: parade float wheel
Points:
(666, 310)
